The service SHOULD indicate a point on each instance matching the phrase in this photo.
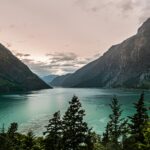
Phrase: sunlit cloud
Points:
(54, 63)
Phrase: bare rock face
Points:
(16, 76)
(125, 65)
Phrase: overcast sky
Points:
(59, 36)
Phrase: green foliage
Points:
(139, 119)
(94, 142)
(134, 144)
(12, 140)
(28, 141)
(146, 133)
(54, 133)
(106, 135)
(74, 127)
(116, 127)
(139, 128)
(70, 132)
(9, 139)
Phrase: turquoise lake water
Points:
(32, 110)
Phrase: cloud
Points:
(22, 55)
(65, 62)
(145, 12)
(19, 54)
(131, 6)
(62, 57)
(27, 60)
(56, 63)
(97, 5)
(127, 5)
(90, 6)
(125, 8)
(38, 67)
(8, 44)
(67, 59)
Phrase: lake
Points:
(32, 110)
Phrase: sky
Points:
(60, 36)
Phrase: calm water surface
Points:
(32, 110)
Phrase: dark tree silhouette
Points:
(54, 133)
(106, 135)
(29, 142)
(139, 119)
(117, 126)
(75, 130)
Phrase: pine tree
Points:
(106, 134)
(12, 135)
(75, 130)
(12, 129)
(139, 119)
(93, 141)
(117, 126)
(54, 133)
(4, 143)
(29, 142)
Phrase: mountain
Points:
(16, 76)
(58, 81)
(126, 65)
(48, 79)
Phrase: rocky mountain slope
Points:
(16, 76)
(125, 65)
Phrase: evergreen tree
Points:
(4, 143)
(106, 134)
(139, 119)
(117, 126)
(94, 141)
(9, 138)
(54, 133)
(75, 130)
(12, 135)
(12, 130)
(131, 143)
(29, 141)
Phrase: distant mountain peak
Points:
(49, 78)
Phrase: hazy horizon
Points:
(58, 37)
